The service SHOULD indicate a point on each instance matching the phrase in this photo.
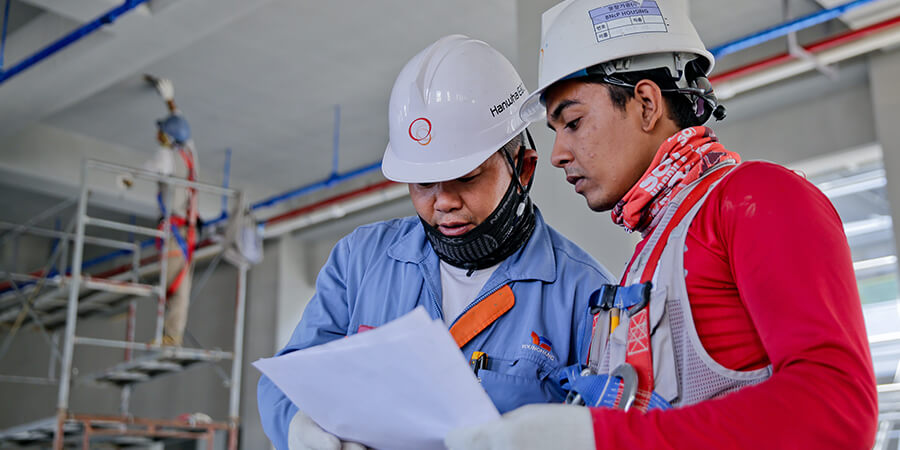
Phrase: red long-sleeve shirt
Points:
(770, 280)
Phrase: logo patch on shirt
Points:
(541, 345)
(541, 341)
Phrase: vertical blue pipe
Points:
(336, 144)
(226, 174)
(3, 35)
(786, 28)
(132, 219)
(57, 225)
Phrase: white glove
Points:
(538, 426)
(165, 88)
(304, 434)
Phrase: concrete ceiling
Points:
(266, 84)
(262, 77)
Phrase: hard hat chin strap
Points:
(506, 230)
(518, 165)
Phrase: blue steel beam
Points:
(63, 42)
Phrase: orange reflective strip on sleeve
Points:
(482, 315)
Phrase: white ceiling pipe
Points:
(866, 44)
(336, 211)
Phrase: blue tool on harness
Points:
(632, 298)
(619, 388)
(616, 390)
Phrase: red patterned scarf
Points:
(682, 159)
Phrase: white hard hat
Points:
(628, 35)
(453, 105)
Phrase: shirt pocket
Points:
(520, 380)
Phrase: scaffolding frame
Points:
(86, 294)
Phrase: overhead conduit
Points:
(791, 26)
(828, 51)
(65, 41)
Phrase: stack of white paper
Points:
(403, 385)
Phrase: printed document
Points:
(403, 385)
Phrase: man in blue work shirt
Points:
(479, 255)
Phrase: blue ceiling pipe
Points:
(786, 28)
(329, 182)
(63, 42)
(3, 32)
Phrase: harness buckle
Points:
(644, 299)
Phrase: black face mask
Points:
(500, 235)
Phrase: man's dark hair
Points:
(681, 111)
(512, 147)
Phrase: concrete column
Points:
(278, 290)
(296, 285)
(262, 301)
(884, 68)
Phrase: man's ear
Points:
(650, 99)
(529, 163)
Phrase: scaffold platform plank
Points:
(80, 429)
(166, 361)
(97, 296)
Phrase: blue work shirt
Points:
(384, 270)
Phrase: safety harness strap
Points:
(482, 315)
(189, 222)
(638, 352)
(696, 194)
(191, 231)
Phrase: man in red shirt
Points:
(738, 321)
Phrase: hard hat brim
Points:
(401, 171)
(532, 108)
